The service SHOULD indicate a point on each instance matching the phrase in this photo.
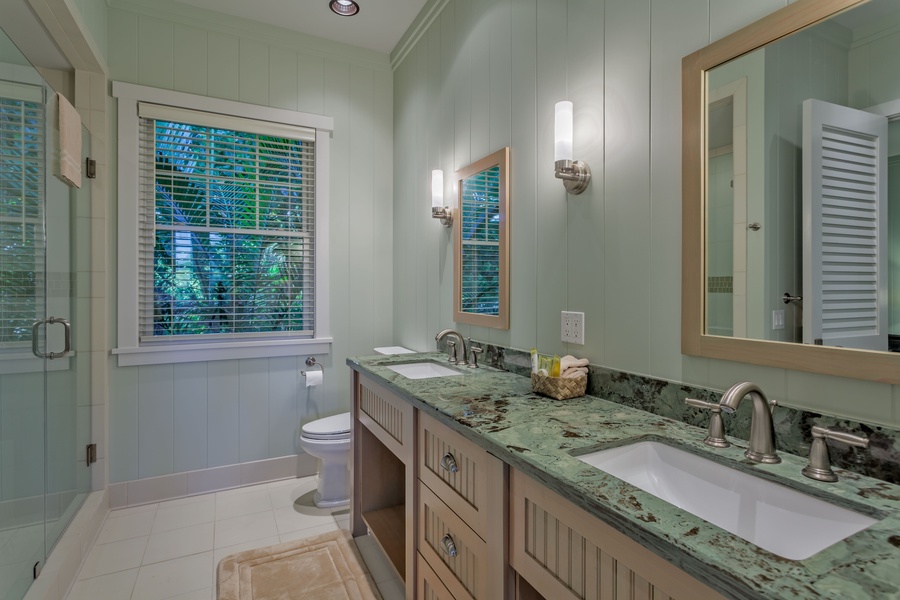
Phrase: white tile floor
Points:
(171, 549)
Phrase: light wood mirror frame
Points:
(858, 364)
(501, 319)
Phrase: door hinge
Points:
(90, 168)
(91, 454)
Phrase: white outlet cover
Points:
(572, 327)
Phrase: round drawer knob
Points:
(448, 546)
(448, 463)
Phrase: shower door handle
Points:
(67, 344)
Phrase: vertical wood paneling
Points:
(479, 44)
(283, 74)
(311, 84)
(382, 231)
(190, 393)
(448, 161)
(191, 47)
(254, 409)
(156, 53)
(436, 142)
(164, 52)
(585, 230)
(284, 420)
(223, 425)
(253, 77)
(361, 231)
(123, 37)
(123, 425)
(223, 55)
(552, 271)
(627, 191)
(156, 426)
(523, 282)
(420, 184)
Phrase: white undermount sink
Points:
(424, 370)
(781, 520)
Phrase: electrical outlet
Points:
(573, 327)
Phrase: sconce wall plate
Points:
(576, 176)
(444, 213)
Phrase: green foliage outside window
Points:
(233, 237)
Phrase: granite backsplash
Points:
(880, 460)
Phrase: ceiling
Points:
(379, 25)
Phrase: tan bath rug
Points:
(326, 567)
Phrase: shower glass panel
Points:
(45, 253)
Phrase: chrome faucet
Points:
(762, 431)
(454, 356)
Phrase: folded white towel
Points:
(568, 361)
(69, 143)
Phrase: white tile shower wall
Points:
(190, 417)
(612, 252)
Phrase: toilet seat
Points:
(335, 427)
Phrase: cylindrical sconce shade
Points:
(563, 131)
(437, 189)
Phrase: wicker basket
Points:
(561, 388)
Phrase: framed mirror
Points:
(790, 229)
(481, 268)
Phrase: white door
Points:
(844, 227)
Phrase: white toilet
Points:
(328, 440)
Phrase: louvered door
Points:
(844, 227)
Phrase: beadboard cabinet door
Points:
(567, 554)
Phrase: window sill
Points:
(182, 353)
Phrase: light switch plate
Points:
(572, 327)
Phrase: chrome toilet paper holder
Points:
(311, 362)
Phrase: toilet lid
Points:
(329, 427)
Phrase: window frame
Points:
(129, 350)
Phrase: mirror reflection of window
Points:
(480, 202)
(481, 268)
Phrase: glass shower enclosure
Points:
(45, 292)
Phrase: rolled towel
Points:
(573, 374)
(574, 371)
(568, 361)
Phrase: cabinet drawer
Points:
(567, 554)
(387, 416)
(429, 586)
(458, 556)
(463, 475)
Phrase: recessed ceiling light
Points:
(344, 8)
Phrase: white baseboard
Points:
(204, 481)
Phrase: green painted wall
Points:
(173, 418)
(486, 74)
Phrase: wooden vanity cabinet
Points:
(565, 553)
(384, 474)
(461, 513)
(458, 523)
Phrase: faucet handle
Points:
(474, 351)
(819, 467)
(716, 435)
(452, 358)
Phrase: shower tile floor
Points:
(171, 549)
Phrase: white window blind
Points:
(226, 227)
(22, 141)
(480, 271)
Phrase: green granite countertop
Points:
(538, 435)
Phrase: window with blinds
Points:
(227, 227)
(22, 140)
(480, 273)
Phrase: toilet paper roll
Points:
(314, 378)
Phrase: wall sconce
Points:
(576, 175)
(438, 210)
